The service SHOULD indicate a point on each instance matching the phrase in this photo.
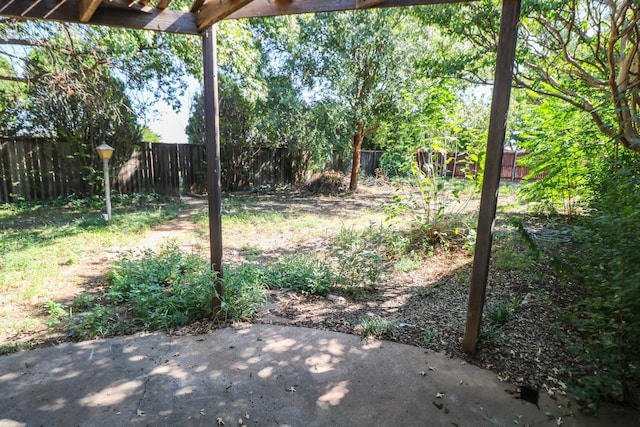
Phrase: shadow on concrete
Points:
(262, 375)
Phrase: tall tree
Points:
(360, 59)
(583, 52)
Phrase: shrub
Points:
(244, 291)
(358, 266)
(605, 259)
(301, 273)
(160, 291)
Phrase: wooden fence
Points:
(38, 169)
(457, 165)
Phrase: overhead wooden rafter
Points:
(141, 14)
(262, 8)
(208, 12)
(87, 8)
(155, 19)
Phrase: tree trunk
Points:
(355, 165)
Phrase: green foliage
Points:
(165, 289)
(375, 326)
(551, 56)
(561, 144)
(55, 310)
(605, 259)
(425, 199)
(160, 290)
(429, 333)
(406, 264)
(510, 254)
(244, 291)
(301, 273)
(498, 313)
(359, 265)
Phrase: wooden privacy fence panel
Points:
(163, 169)
(370, 161)
(39, 169)
(455, 165)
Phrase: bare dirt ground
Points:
(426, 305)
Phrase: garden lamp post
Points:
(105, 152)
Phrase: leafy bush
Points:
(165, 289)
(605, 259)
(498, 313)
(301, 273)
(395, 163)
(244, 291)
(358, 265)
(160, 291)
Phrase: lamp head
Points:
(104, 151)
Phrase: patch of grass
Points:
(511, 254)
(375, 326)
(498, 313)
(429, 333)
(40, 241)
(250, 252)
(406, 264)
(489, 335)
(15, 347)
(425, 291)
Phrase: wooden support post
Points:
(212, 145)
(492, 168)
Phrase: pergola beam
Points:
(493, 163)
(213, 11)
(262, 8)
(169, 21)
(87, 8)
(365, 4)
